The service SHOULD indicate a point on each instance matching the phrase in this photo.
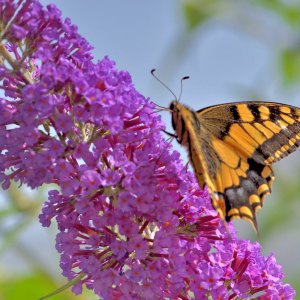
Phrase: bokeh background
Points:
(233, 50)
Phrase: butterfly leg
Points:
(170, 134)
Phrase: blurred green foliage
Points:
(196, 12)
(288, 10)
(31, 287)
(290, 65)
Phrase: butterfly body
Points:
(232, 148)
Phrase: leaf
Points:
(30, 287)
(64, 287)
(193, 15)
(290, 65)
(198, 11)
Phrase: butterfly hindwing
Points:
(242, 192)
(244, 199)
(232, 146)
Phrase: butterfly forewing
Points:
(266, 132)
(232, 146)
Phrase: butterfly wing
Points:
(234, 145)
(266, 132)
(238, 185)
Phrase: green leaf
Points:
(290, 65)
(287, 192)
(29, 287)
(193, 14)
(64, 287)
(288, 11)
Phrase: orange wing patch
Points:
(242, 195)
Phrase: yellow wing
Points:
(232, 147)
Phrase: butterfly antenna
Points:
(152, 72)
(182, 79)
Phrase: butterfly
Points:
(232, 148)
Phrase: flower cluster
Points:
(133, 222)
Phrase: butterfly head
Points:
(173, 105)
